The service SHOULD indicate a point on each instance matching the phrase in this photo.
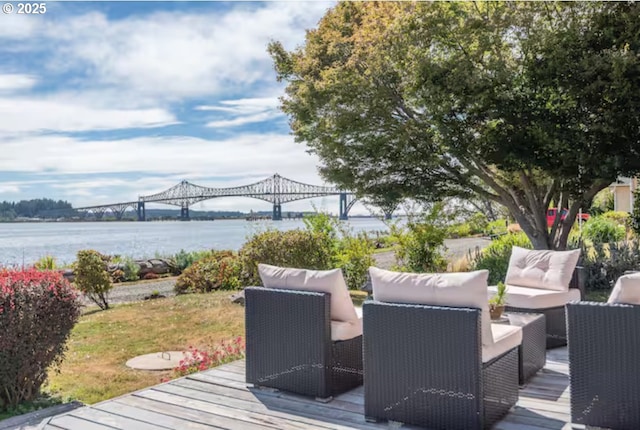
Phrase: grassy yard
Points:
(102, 341)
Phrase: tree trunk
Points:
(539, 238)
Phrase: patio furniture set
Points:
(427, 351)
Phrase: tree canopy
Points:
(527, 104)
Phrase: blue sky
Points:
(104, 101)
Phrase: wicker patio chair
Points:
(303, 336)
(439, 364)
(604, 344)
(544, 282)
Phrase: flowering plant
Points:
(197, 360)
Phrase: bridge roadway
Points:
(274, 189)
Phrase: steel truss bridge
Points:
(274, 189)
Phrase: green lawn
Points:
(102, 341)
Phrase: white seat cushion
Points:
(549, 270)
(505, 338)
(626, 290)
(535, 298)
(467, 289)
(345, 330)
(322, 281)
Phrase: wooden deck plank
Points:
(151, 417)
(263, 421)
(262, 405)
(275, 401)
(68, 422)
(115, 421)
(211, 421)
(354, 396)
(220, 399)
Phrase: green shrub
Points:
(605, 263)
(619, 217)
(184, 259)
(420, 244)
(495, 257)
(92, 278)
(131, 269)
(221, 270)
(603, 230)
(634, 219)
(459, 230)
(603, 202)
(478, 223)
(354, 257)
(38, 309)
(497, 227)
(46, 263)
(293, 248)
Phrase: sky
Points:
(101, 102)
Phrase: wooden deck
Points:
(219, 399)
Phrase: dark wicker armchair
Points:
(289, 346)
(604, 345)
(424, 367)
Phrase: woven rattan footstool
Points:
(533, 351)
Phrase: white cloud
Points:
(243, 120)
(16, 26)
(171, 55)
(11, 82)
(9, 188)
(36, 115)
(244, 111)
(244, 106)
(240, 155)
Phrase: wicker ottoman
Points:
(533, 351)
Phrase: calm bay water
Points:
(25, 243)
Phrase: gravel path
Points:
(456, 248)
(122, 293)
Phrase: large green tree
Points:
(526, 104)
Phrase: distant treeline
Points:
(31, 208)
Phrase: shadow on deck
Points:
(218, 398)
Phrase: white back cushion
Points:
(441, 289)
(626, 290)
(547, 270)
(322, 281)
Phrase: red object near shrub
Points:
(551, 216)
(150, 275)
(37, 312)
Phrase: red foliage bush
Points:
(37, 312)
(150, 275)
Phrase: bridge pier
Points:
(141, 213)
(184, 212)
(344, 207)
(277, 212)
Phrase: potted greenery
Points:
(497, 302)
